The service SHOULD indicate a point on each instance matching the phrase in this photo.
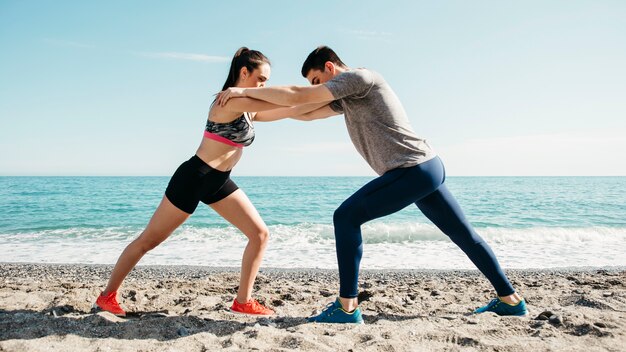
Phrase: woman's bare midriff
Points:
(218, 155)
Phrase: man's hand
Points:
(232, 92)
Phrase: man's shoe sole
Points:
(324, 322)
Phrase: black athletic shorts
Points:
(194, 181)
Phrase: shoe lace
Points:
(112, 300)
(328, 310)
(256, 306)
(494, 303)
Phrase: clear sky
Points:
(497, 87)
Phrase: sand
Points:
(46, 307)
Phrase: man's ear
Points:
(330, 67)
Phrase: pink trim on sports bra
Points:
(221, 139)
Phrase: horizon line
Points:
(373, 176)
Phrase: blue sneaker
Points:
(334, 313)
(501, 308)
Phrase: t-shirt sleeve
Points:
(336, 106)
(350, 83)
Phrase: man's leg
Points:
(444, 211)
(384, 195)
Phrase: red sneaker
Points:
(109, 303)
(252, 307)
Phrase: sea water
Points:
(530, 222)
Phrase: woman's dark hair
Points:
(318, 58)
(247, 58)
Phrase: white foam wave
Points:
(377, 232)
(387, 246)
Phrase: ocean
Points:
(530, 223)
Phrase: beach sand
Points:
(45, 307)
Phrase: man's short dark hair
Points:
(318, 57)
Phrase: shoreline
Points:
(178, 267)
(47, 306)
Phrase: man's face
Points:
(319, 77)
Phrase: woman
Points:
(206, 178)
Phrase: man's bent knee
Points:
(341, 214)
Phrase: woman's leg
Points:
(442, 209)
(239, 211)
(165, 220)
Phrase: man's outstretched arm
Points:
(285, 96)
(321, 113)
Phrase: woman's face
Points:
(256, 78)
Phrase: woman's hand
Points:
(232, 92)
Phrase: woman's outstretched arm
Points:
(285, 112)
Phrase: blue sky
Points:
(498, 88)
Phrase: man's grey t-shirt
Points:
(376, 121)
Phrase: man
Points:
(410, 173)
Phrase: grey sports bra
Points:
(238, 133)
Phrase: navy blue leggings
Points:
(423, 185)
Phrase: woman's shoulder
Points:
(220, 115)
